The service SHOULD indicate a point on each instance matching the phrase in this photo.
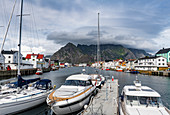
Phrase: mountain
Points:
(87, 53)
(71, 54)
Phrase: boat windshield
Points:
(143, 101)
(77, 83)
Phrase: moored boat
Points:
(97, 80)
(73, 95)
(25, 97)
(39, 72)
(141, 100)
(119, 70)
(10, 88)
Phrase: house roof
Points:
(163, 51)
(8, 52)
(39, 56)
(28, 56)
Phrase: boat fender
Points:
(85, 107)
(54, 86)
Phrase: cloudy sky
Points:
(51, 24)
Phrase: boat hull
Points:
(19, 106)
(71, 107)
(38, 73)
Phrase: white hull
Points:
(70, 108)
(72, 96)
(18, 106)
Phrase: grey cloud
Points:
(90, 37)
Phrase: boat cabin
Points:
(78, 80)
(141, 96)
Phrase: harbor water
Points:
(160, 84)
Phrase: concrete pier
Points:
(106, 101)
(7, 74)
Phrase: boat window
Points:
(142, 100)
(88, 83)
(132, 100)
(149, 90)
(132, 89)
(75, 82)
(40, 86)
(147, 101)
(153, 101)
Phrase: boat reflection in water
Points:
(73, 95)
(141, 100)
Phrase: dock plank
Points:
(106, 101)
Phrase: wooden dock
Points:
(106, 101)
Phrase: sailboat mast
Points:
(19, 45)
(98, 44)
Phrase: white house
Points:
(151, 63)
(11, 59)
(11, 56)
(130, 63)
(108, 64)
(37, 60)
(82, 64)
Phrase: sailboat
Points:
(28, 93)
(97, 79)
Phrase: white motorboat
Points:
(97, 80)
(26, 98)
(141, 100)
(73, 95)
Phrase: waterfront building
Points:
(37, 60)
(11, 60)
(151, 63)
(81, 64)
(11, 56)
(164, 53)
(108, 64)
(130, 63)
(61, 64)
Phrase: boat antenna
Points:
(19, 45)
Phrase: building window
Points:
(153, 59)
(163, 64)
(159, 63)
(33, 59)
(159, 59)
(9, 56)
(162, 59)
(8, 61)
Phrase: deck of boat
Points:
(106, 101)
